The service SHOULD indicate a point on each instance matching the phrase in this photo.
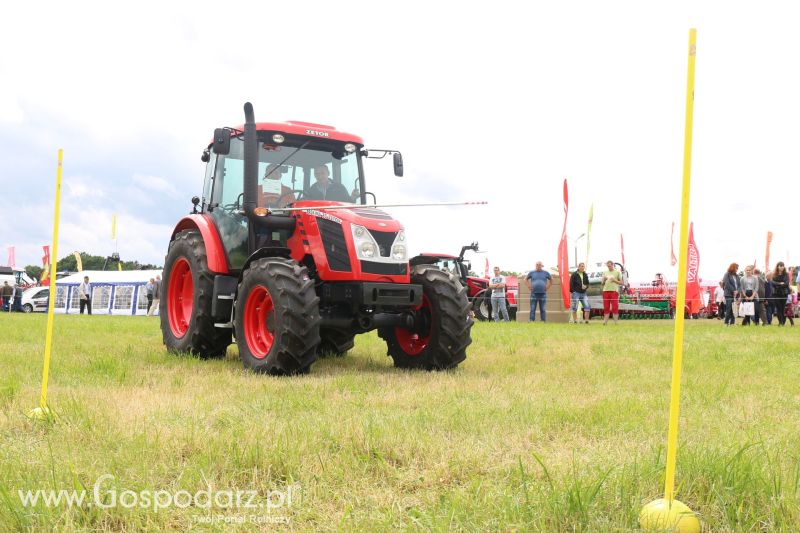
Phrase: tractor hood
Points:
(370, 218)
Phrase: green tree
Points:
(34, 271)
(96, 262)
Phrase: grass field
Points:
(545, 427)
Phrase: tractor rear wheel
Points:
(188, 288)
(277, 317)
(442, 333)
(335, 343)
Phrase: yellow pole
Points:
(669, 513)
(680, 303)
(48, 343)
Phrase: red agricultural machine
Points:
(476, 287)
(283, 254)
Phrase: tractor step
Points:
(223, 325)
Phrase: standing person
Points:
(8, 290)
(538, 281)
(749, 293)
(156, 296)
(780, 291)
(789, 310)
(719, 298)
(612, 281)
(578, 283)
(769, 305)
(731, 289)
(761, 301)
(85, 295)
(498, 286)
(149, 292)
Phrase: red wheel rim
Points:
(259, 319)
(413, 343)
(180, 297)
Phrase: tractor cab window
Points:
(285, 175)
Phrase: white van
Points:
(35, 299)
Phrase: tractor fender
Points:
(479, 295)
(266, 251)
(217, 260)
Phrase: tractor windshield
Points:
(286, 173)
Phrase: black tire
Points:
(291, 320)
(27, 308)
(512, 312)
(448, 324)
(335, 343)
(482, 305)
(200, 337)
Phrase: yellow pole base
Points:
(663, 515)
(42, 413)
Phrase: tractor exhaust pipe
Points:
(250, 162)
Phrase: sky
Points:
(487, 102)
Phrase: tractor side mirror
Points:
(222, 141)
(398, 164)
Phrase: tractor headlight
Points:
(349, 148)
(367, 249)
(365, 245)
(277, 138)
(399, 252)
(401, 236)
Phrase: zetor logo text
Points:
(318, 133)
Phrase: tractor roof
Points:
(307, 129)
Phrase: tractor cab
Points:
(290, 167)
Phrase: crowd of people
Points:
(756, 297)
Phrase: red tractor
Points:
(283, 254)
(477, 288)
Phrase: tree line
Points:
(68, 263)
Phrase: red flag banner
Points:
(486, 269)
(693, 292)
(12, 261)
(673, 260)
(622, 248)
(769, 243)
(563, 254)
(45, 277)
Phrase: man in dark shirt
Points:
(578, 283)
(325, 189)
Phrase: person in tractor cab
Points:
(325, 189)
(271, 192)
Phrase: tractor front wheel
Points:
(277, 317)
(188, 287)
(442, 324)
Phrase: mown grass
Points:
(545, 427)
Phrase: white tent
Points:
(113, 292)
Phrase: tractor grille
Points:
(387, 269)
(335, 245)
(385, 239)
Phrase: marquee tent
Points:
(113, 292)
